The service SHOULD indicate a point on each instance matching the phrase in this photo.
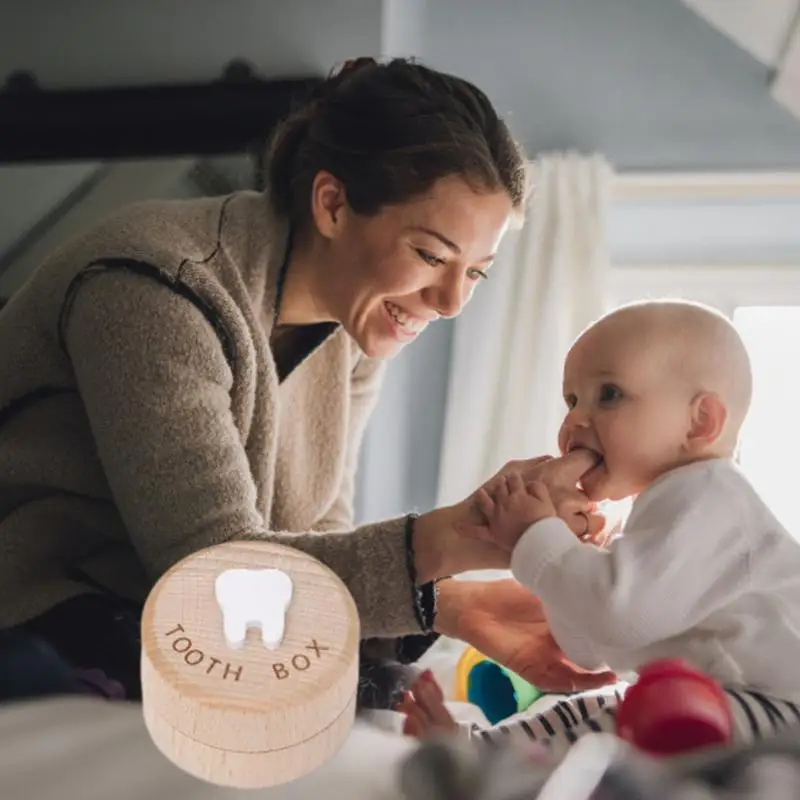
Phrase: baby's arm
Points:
(682, 556)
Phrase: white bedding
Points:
(96, 750)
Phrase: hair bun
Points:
(353, 65)
(339, 75)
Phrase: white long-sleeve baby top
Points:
(702, 571)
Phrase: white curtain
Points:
(504, 394)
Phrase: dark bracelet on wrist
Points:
(423, 597)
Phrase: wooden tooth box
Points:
(249, 716)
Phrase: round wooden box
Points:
(251, 714)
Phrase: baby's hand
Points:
(514, 508)
(425, 711)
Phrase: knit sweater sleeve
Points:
(156, 386)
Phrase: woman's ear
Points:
(328, 204)
(709, 416)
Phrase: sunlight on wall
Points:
(771, 434)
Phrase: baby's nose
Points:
(577, 418)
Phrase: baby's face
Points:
(626, 404)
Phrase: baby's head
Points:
(653, 386)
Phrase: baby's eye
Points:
(609, 393)
(570, 400)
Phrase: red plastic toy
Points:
(673, 709)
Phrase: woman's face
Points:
(393, 273)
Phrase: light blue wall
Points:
(86, 43)
(646, 82)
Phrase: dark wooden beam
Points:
(227, 116)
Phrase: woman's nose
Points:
(450, 296)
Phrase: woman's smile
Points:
(404, 325)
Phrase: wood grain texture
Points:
(251, 717)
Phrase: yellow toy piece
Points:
(469, 658)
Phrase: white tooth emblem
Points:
(253, 598)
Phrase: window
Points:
(771, 433)
(731, 241)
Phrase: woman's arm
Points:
(156, 387)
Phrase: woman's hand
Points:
(514, 507)
(505, 622)
(559, 476)
(456, 539)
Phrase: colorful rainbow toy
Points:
(497, 691)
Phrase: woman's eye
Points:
(609, 393)
(476, 274)
(430, 258)
(570, 400)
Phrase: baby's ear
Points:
(708, 418)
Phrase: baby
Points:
(703, 571)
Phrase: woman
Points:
(191, 372)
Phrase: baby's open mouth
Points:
(597, 455)
(599, 459)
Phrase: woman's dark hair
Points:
(389, 132)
